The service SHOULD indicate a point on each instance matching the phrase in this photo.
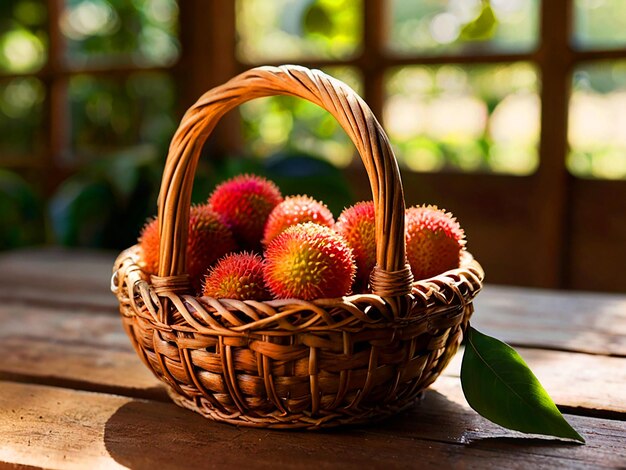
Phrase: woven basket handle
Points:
(392, 276)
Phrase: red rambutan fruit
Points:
(309, 261)
(296, 210)
(244, 203)
(237, 276)
(209, 239)
(434, 241)
(357, 226)
(149, 246)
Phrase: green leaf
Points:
(80, 210)
(21, 212)
(317, 20)
(481, 28)
(499, 385)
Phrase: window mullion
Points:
(56, 87)
(371, 60)
(550, 201)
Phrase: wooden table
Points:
(74, 395)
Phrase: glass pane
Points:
(286, 124)
(597, 121)
(111, 115)
(103, 32)
(471, 118)
(23, 36)
(281, 30)
(21, 111)
(599, 24)
(463, 26)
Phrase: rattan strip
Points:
(353, 115)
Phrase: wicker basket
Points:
(293, 363)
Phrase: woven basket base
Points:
(292, 421)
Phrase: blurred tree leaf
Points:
(481, 28)
(297, 173)
(80, 210)
(316, 20)
(108, 201)
(21, 212)
(124, 169)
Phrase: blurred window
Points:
(21, 114)
(81, 79)
(464, 117)
(109, 32)
(456, 82)
(446, 116)
(597, 121)
(23, 51)
(298, 29)
(111, 114)
(462, 26)
(597, 107)
(599, 24)
(23, 36)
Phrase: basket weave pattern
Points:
(293, 363)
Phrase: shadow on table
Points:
(145, 434)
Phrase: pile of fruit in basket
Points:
(248, 242)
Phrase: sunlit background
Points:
(99, 96)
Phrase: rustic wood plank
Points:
(572, 321)
(80, 350)
(64, 326)
(78, 367)
(54, 427)
(57, 276)
(17, 466)
(90, 351)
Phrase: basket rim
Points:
(441, 295)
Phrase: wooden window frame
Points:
(49, 167)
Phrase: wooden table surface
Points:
(73, 394)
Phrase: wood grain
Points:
(55, 276)
(572, 321)
(55, 428)
(73, 429)
(90, 351)
(76, 349)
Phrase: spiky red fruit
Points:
(149, 246)
(237, 276)
(309, 261)
(356, 225)
(434, 241)
(209, 239)
(244, 203)
(296, 210)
